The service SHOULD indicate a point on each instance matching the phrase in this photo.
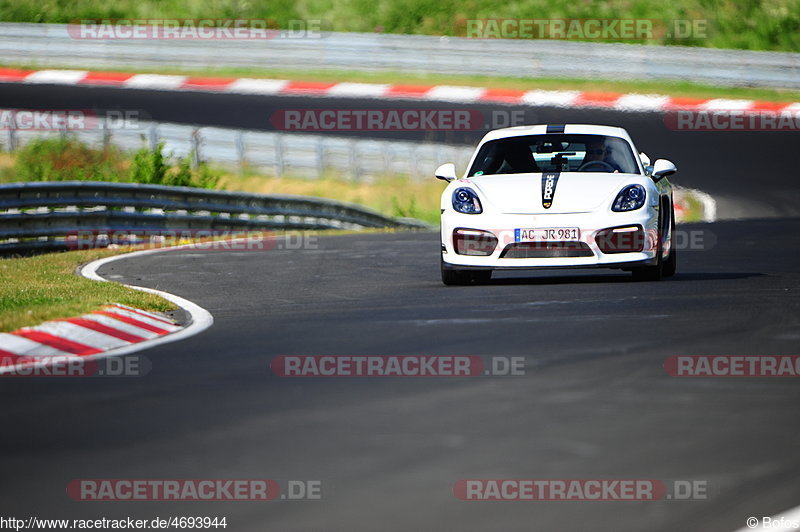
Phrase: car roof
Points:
(542, 129)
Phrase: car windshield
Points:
(554, 153)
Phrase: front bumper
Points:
(585, 253)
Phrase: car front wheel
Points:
(455, 277)
(655, 272)
(671, 264)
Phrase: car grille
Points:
(546, 250)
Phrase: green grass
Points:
(65, 158)
(391, 195)
(45, 287)
(745, 24)
(663, 87)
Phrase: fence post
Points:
(238, 140)
(355, 171)
(106, 133)
(279, 164)
(413, 166)
(320, 158)
(153, 137)
(387, 161)
(12, 137)
(196, 142)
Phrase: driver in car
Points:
(599, 154)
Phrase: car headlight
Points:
(466, 201)
(629, 198)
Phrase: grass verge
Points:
(67, 158)
(751, 24)
(397, 196)
(45, 287)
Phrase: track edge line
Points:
(201, 319)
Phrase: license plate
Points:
(547, 234)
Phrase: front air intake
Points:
(546, 250)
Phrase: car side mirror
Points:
(446, 172)
(662, 168)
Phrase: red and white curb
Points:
(91, 334)
(442, 93)
(115, 330)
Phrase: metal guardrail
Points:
(51, 45)
(277, 154)
(51, 215)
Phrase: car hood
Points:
(573, 191)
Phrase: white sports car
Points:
(557, 196)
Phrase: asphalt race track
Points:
(750, 173)
(594, 402)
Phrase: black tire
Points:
(454, 277)
(671, 264)
(655, 272)
(480, 276)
